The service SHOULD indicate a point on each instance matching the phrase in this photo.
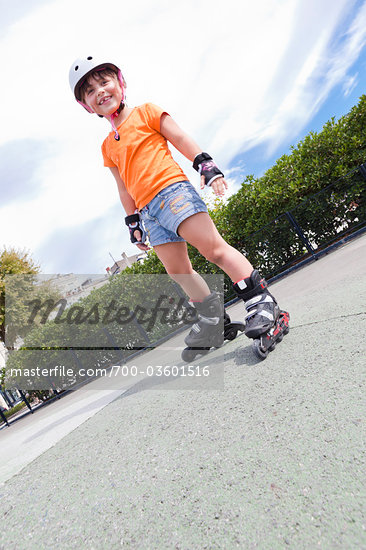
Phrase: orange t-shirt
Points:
(142, 156)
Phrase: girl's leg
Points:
(174, 257)
(263, 310)
(200, 231)
(208, 329)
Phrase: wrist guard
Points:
(134, 223)
(206, 167)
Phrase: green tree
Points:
(19, 285)
(13, 262)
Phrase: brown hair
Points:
(98, 75)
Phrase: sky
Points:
(245, 79)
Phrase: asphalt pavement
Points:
(256, 455)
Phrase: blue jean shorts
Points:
(166, 211)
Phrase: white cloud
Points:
(234, 75)
(349, 84)
(309, 70)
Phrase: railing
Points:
(310, 228)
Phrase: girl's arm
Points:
(127, 202)
(177, 137)
(188, 147)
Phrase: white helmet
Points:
(81, 67)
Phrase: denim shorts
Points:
(166, 211)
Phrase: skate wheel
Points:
(231, 334)
(258, 350)
(271, 348)
(218, 341)
(188, 355)
(227, 318)
(286, 331)
(280, 338)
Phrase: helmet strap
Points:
(113, 116)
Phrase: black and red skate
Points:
(267, 341)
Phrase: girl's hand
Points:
(218, 186)
(141, 246)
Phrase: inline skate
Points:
(211, 328)
(265, 322)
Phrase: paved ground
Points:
(273, 458)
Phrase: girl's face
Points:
(103, 94)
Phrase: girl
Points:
(160, 201)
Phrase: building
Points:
(126, 261)
(73, 287)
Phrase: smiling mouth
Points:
(104, 99)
